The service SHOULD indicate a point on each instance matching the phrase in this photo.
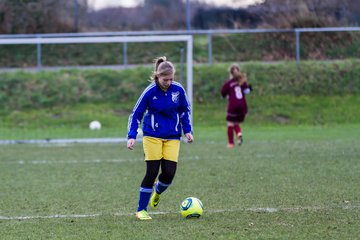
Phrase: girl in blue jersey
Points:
(167, 113)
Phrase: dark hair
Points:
(232, 69)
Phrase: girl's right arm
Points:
(225, 89)
(136, 116)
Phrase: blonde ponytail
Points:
(240, 77)
(162, 67)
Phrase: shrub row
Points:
(24, 90)
(288, 78)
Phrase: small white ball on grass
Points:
(95, 125)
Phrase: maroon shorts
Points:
(235, 117)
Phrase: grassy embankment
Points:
(66, 101)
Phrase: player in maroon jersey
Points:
(235, 90)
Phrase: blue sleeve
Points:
(185, 113)
(136, 115)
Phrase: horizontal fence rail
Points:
(65, 40)
(101, 37)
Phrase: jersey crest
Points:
(175, 97)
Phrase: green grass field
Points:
(285, 182)
(72, 121)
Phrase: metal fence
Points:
(209, 33)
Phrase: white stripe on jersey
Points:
(187, 100)
(152, 85)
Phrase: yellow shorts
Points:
(156, 149)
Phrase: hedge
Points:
(24, 90)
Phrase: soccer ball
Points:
(191, 207)
(95, 125)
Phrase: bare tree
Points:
(39, 16)
(308, 13)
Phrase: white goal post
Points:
(107, 39)
(120, 39)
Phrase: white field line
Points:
(84, 161)
(75, 161)
(70, 141)
(253, 209)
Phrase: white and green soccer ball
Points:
(191, 207)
